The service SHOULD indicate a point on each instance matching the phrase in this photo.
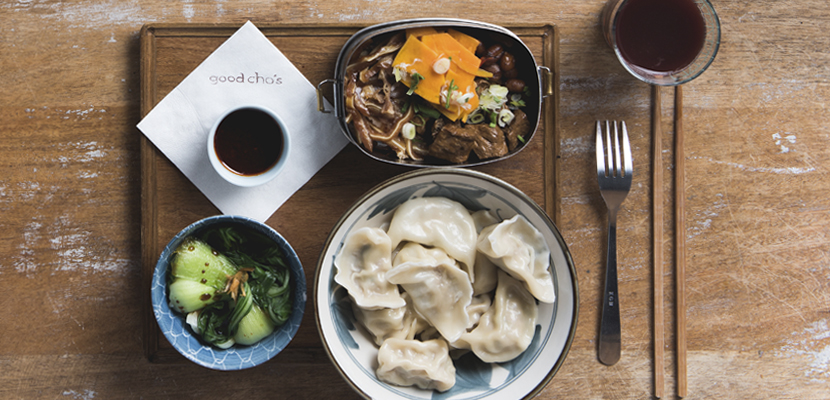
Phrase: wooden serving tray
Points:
(170, 202)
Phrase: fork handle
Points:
(609, 330)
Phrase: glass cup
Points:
(662, 42)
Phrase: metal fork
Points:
(614, 172)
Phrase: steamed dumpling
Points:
(486, 275)
(439, 222)
(362, 265)
(483, 274)
(440, 291)
(477, 308)
(507, 328)
(520, 249)
(387, 323)
(382, 323)
(412, 362)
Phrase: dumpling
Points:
(413, 252)
(440, 291)
(438, 222)
(381, 323)
(520, 249)
(507, 328)
(385, 323)
(413, 323)
(483, 275)
(362, 264)
(483, 219)
(486, 275)
(412, 362)
(478, 307)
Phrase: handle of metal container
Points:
(546, 77)
(321, 100)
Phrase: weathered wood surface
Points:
(757, 153)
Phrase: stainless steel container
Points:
(537, 78)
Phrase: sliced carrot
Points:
(443, 43)
(414, 57)
(419, 32)
(469, 42)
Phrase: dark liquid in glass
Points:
(248, 142)
(660, 35)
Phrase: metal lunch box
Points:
(533, 75)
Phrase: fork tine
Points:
(628, 163)
(609, 150)
(617, 160)
(600, 152)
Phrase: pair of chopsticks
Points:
(680, 241)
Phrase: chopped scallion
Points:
(452, 87)
(413, 85)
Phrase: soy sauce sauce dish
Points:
(248, 145)
(437, 92)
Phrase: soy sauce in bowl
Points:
(248, 141)
(248, 145)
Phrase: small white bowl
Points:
(354, 352)
(254, 179)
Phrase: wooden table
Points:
(757, 149)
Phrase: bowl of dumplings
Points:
(446, 283)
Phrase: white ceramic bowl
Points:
(257, 179)
(353, 351)
(178, 333)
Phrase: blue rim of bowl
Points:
(477, 175)
(206, 355)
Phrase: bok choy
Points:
(233, 285)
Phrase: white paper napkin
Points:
(246, 69)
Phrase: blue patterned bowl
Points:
(354, 352)
(238, 357)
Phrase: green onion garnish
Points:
(416, 78)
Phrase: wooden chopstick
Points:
(680, 238)
(657, 217)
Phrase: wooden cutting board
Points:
(170, 202)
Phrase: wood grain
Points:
(680, 240)
(757, 151)
(657, 222)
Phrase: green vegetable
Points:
(195, 260)
(414, 81)
(234, 281)
(476, 117)
(269, 276)
(254, 327)
(188, 296)
(517, 103)
(452, 87)
(516, 100)
(274, 298)
(244, 305)
(421, 121)
(213, 323)
(427, 110)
